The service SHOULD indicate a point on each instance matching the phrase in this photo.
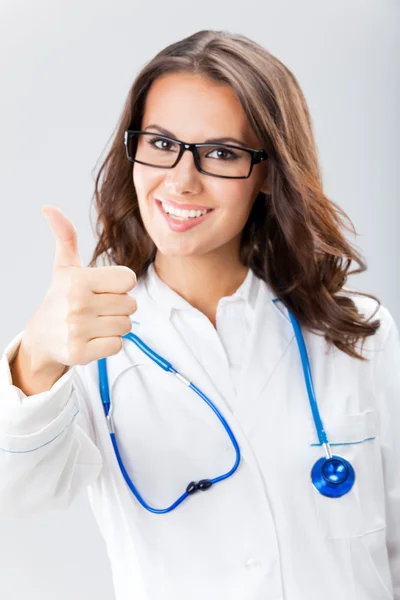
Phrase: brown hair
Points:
(292, 239)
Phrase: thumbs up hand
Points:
(67, 253)
(85, 310)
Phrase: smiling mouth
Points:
(182, 214)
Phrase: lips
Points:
(183, 206)
(184, 225)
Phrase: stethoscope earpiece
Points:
(333, 477)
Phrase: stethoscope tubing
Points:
(323, 439)
(166, 366)
(332, 476)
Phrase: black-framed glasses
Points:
(218, 160)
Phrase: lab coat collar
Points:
(170, 300)
(270, 334)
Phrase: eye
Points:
(223, 154)
(163, 143)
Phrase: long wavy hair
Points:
(292, 239)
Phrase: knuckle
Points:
(128, 325)
(116, 346)
(132, 306)
(75, 306)
(77, 303)
(74, 351)
(130, 277)
(74, 329)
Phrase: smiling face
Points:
(195, 109)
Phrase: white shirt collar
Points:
(169, 300)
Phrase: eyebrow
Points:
(221, 140)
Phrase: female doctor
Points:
(231, 408)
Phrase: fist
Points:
(85, 310)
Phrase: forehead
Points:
(195, 108)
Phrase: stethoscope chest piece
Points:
(333, 477)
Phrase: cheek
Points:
(144, 180)
(236, 200)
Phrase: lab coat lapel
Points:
(157, 331)
(269, 338)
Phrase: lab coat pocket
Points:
(362, 510)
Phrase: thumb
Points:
(67, 253)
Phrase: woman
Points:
(229, 242)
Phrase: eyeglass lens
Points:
(157, 151)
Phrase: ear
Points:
(265, 187)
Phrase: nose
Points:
(184, 176)
(187, 157)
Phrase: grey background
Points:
(65, 69)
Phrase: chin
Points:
(177, 252)
(179, 248)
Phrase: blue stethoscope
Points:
(332, 476)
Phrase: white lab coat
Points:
(264, 533)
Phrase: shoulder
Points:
(372, 310)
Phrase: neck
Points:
(202, 280)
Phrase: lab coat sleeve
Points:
(47, 448)
(387, 390)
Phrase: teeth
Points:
(182, 214)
